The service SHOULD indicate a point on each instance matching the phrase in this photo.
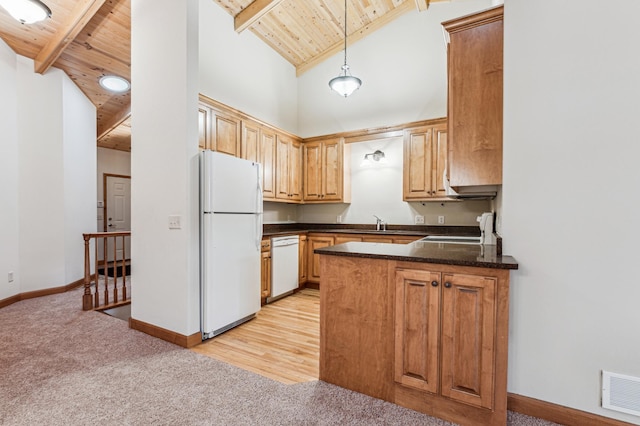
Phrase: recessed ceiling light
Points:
(114, 83)
(26, 11)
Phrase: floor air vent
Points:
(621, 393)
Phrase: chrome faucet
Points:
(380, 224)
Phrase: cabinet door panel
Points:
(226, 134)
(250, 141)
(313, 265)
(332, 169)
(439, 138)
(468, 351)
(312, 171)
(282, 170)
(417, 163)
(416, 329)
(204, 131)
(295, 171)
(267, 159)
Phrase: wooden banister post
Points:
(87, 302)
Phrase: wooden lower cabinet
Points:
(313, 260)
(302, 261)
(439, 335)
(265, 269)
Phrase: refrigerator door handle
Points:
(259, 196)
(258, 217)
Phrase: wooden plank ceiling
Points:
(91, 38)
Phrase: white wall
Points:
(403, 71)
(79, 171)
(241, 71)
(164, 165)
(48, 176)
(113, 162)
(378, 190)
(570, 197)
(9, 172)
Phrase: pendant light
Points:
(345, 84)
(26, 11)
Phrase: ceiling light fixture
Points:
(114, 83)
(26, 11)
(377, 156)
(345, 84)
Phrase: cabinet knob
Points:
(447, 284)
(434, 283)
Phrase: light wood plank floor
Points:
(281, 343)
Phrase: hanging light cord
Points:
(345, 37)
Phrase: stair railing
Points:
(106, 293)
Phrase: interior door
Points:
(118, 212)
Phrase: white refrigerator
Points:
(231, 232)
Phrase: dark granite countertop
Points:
(426, 252)
(412, 230)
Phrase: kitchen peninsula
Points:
(423, 325)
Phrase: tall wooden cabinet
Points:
(425, 161)
(326, 171)
(475, 63)
(289, 169)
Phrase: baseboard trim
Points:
(39, 293)
(558, 413)
(166, 335)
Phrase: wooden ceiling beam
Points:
(82, 13)
(423, 5)
(107, 125)
(355, 36)
(253, 13)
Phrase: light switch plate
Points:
(175, 222)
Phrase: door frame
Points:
(105, 197)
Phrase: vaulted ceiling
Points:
(88, 39)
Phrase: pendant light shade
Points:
(26, 11)
(345, 84)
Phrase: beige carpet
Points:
(62, 366)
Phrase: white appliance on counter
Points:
(284, 265)
(231, 232)
(485, 222)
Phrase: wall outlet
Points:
(419, 219)
(10, 276)
(440, 220)
(175, 222)
(339, 219)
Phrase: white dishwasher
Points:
(284, 266)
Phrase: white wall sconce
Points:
(375, 157)
(26, 11)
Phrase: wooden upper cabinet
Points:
(288, 169)
(249, 147)
(475, 65)
(204, 126)
(225, 133)
(267, 156)
(258, 144)
(425, 160)
(326, 171)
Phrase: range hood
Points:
(477, 192)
